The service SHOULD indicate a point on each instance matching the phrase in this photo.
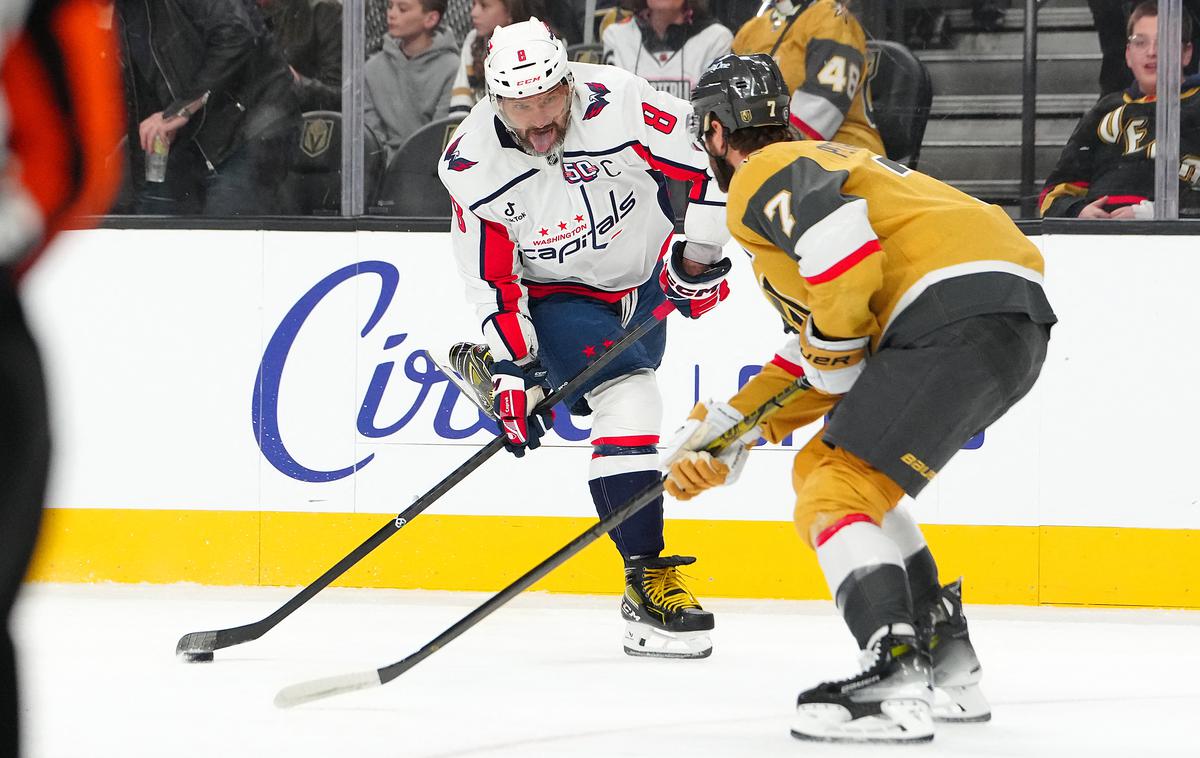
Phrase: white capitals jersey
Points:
(670, 70)
(593, 222)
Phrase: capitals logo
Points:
(597, 102)
(452, 158)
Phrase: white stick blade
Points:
(317, 689)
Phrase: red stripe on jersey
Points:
(497, 265)
(509, 328)
(845, 264)
(1124, 199)
(544, 290)
(807, 130)
(853, 518)
(792, 368)
(637, 440)
(666, 245)
(674, 170)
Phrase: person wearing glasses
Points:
(1106, 171)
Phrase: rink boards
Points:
(244, 407)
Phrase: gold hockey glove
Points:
(689, 469)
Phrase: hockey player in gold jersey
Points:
(918, 316)
(821, 50)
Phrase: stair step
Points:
(1001, 75)
(991, 190)
(1010, 106)
(958, 130)
(983, 162)
(1049, 17)
(1013, 42)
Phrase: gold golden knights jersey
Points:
(868, 248)
(821, 50)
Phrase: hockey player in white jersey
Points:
(563, 234)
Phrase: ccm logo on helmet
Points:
(523, 82)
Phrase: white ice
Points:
(545, 676)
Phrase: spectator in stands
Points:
(205, 78)
(1107, 168)
(669, 43)
(408, 82)
(309, 34)
(1111, 18)
(734, 13)
(822, 51)
(486, 15)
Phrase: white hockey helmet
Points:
(524, 59)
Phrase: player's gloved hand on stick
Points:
(693, 295)
(516, 391)
(689, 469)
(832, 366)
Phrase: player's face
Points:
(1141, 53)
(486, 15)
(539, 121)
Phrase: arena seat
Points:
(410, 185)
(901, 94)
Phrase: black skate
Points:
(663, 618)
(888, 702)
(473, 365)
(956, 669)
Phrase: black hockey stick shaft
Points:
(320, 688)
(207, 642)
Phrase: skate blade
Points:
(899, 721)
(961, 705)
(644, 641)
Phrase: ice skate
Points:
(956, 669)
(663, 618)
(473, 364)
(890, 701)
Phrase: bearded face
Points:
(538, 122)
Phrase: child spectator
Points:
(821, 50)
(1107, 168)
(486, 15)
(408, 81)
(309, 34)
(669, 43)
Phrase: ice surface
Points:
(545, 676)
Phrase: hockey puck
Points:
(202, 656)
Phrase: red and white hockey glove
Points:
(693, 295)
(516, 391)
(689, 469)
(831, 365)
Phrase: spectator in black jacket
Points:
(309, 34)
(205, 77)
(1106, 171)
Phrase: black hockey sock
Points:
(642, 533)
(872, 597)
(923, 582)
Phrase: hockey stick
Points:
(317, 689)
(199, 646)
